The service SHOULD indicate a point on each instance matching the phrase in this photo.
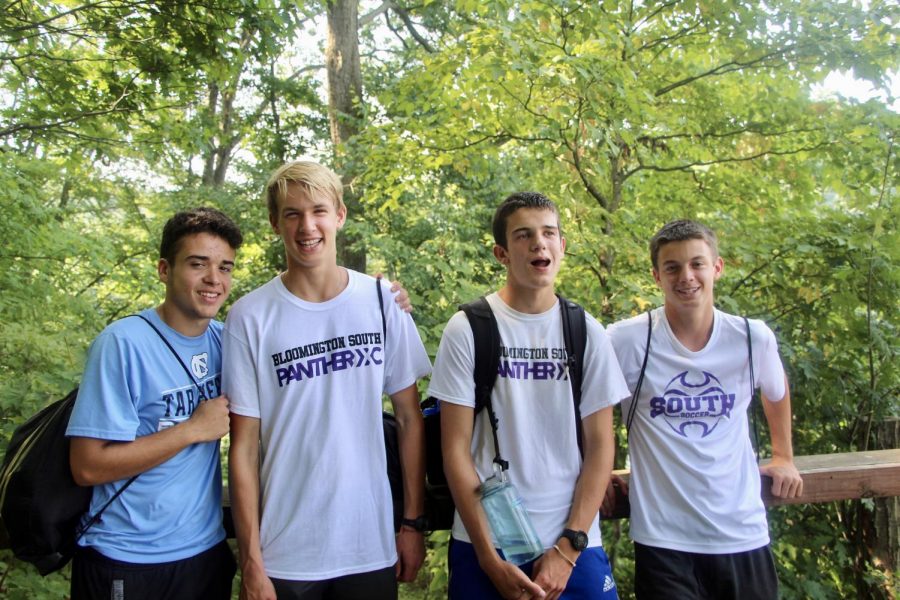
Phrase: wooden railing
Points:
(828, 477)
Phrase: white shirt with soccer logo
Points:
(695, 483)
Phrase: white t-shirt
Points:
(532, 399)
(314, 374)
(694, 483)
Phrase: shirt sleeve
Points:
(105, 407)
(770, 372)
(602, 384)
(628, 354)
(239, 370)
(452, 380)
(406, 358)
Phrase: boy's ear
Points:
(162, 270)
(501, 254)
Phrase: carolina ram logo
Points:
(693, 404)
(200, 365)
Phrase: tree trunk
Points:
(345, 112)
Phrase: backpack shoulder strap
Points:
(575, 334)
(381, 311)
(172, 350)
(486, 361)
(487, 349)
(751, 407)
(640, 381)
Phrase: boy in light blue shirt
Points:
(139, 413)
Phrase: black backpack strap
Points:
(640, 381)
(751, 407)
(175, 354)
(486, 362)
(575, 335)
(95, 518)
(381, 310)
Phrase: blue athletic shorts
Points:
(591, 578)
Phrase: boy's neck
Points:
(171, 316)
(528, 301)
(692, 328)
(316, 285)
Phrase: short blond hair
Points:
(311, 176)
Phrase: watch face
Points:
(578, 539)
(581, 541)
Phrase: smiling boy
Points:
(138, 412)
(307, 358)
(537, 424)
(697, 519)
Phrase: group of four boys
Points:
(297, 373)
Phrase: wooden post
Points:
(886, 551)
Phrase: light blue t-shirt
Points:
(133, 386)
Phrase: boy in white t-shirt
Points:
(697, 519)
(307, 357)
(537, 432)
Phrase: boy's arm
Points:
(95, 461)
(243, 485)
(411, 438)
(552, 571)
(457, 424)
(786, 480)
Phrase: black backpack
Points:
(439, 505)
(40, 504)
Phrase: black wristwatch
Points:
(420, 523)
(578, 539)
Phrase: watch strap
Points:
(420, 523)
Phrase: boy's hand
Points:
(401, 297)
(786, 480)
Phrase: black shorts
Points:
(373, 585)
(204, 576)
(665, 574)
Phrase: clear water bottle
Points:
(509, 519)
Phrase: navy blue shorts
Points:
(591, 578)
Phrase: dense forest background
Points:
(115, 113)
